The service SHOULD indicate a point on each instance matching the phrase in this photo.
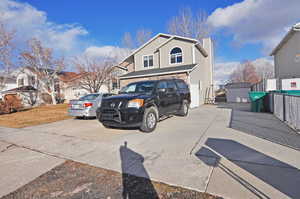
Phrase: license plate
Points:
(75, 106)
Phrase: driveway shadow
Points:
(132, 166)
(262, 125)
(282, 176)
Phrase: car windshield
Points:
(139, 87)
(89, 97)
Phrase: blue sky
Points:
(242, 29)
(106, 21)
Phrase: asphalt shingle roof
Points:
(156, 71)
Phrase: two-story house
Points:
(171, 56)
(287, 60)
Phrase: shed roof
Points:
(238, 85)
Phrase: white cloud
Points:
(222, 70)
(107, 51)
(29, 22)
(257, 21)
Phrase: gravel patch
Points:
(72, 180)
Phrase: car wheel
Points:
(184, 110)
(149, 120)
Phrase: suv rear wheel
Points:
(149, 120)
(184, 110)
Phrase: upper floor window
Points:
(21, 82)
(32, 80)
(148, 61)
(176, 55)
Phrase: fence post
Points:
(273, 102)
(283, 102)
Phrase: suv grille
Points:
(113, 104)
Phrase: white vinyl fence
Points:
(287, 109)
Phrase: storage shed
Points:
(238, 92)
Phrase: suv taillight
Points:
(87, 104)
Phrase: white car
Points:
(86, 106)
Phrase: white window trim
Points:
(176, 63)
(148, 61)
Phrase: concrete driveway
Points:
(203, 151)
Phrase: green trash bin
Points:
(257, 101)
(291, 92)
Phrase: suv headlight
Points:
(135, 103)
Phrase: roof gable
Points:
(170, 37)
(291, 32)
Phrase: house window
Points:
(115, 85)
(176, 55)
(148, 61)
(32, 80)
(293, 84)
(21, 82)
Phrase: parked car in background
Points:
(87, 105)
(142, 104)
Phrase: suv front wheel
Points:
(149, 120)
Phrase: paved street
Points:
(204, 151)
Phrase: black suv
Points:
(142, 104)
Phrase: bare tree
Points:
(127, 41)
(44, 65)
(245, 73)
(94, 73)
(188, 24)
(6, 51)
(141, 37)
(265, 70)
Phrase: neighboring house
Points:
(67, 87)
(287, 60)
(171, 56)
(8, 84)
(70, 87)
(238, 92)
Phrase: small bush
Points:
(11, 103)
(46, 98)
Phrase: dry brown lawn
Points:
(35, 116)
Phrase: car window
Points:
(171, 86)
(181, 84)
(129, 89)
(162, 85)
(89, 97)
(139, 87)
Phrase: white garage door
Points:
(195, 97)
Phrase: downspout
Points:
(158, 58)
(188, 79)
(193, 54)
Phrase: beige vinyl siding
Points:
(186, 48)
(148, 50)
(285, 64)
(203, 71)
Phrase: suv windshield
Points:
(89, 97)
(139, 87)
